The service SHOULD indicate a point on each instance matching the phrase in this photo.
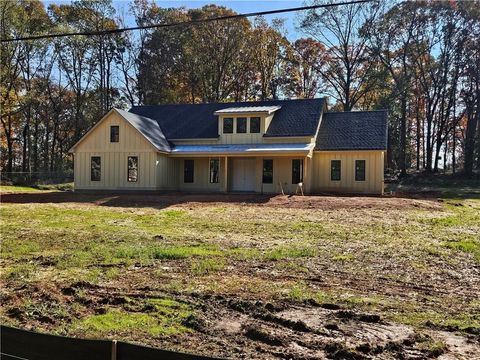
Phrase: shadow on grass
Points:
(137, 199)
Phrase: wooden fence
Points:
(16, 344)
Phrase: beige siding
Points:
(200, 175)
(320, 176)
(114, 158)
(167, 173)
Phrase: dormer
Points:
(235, 124)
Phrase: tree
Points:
(305, 60)
(338, 28)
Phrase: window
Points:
(114, 133)
(359, 170)
(255, 125)
(228, 125)
(95, 168)
(241, 125)
(297, 171)
(267, 171)
(188, 171)
(132, 169)
(335, 170)
(214, 170)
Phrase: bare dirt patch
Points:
(201, 200)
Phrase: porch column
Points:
(225, 175)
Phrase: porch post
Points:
(225, 175)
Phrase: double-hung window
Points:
(114, 133)
(359, 170)
(132, 173)
(254, 125)
(95, 168)
(297, 171)
(228, 125)
(336, 170)
(188, 169)
(241, 125)
(214, 171)
(267, 171)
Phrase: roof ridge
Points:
(355, 111)
(229, 102)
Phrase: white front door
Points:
(243, 174)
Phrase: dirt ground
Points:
(199, 200)
(238, 321)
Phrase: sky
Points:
(240, 6)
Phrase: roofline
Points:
(230, 102)
(195, 139)
(286, 136)
(361, 111)
(89, 131)
(71, 150)
(356, 149)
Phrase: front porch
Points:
(243, 174)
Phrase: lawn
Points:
(245, 276)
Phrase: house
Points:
(263, 147)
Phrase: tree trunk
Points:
(403, 137)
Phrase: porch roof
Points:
(243, 149)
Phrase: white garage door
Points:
(243, 175)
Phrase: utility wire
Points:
(191, 22)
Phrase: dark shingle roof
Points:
(356, 130)
(149, 128)
(197, 121)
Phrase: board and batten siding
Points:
(321, 168)
(114, 158)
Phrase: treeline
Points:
(420, 60)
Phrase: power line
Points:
(190, 22)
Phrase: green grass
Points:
(207, 266)
(247, 251)
(280, 253)
(468, 246)
(36, 188)
(18, 189)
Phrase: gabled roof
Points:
(198, 121)
(353, 130)
(148, 128)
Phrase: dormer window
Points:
(241, 125)
(254, 125)
(114, 133)
(228, 125)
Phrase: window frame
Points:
(339, 170)
(300, 171)
(244, 121)
(224, 123)
(210, 179)
(128, 168)
(99, 168)
(263, 171)
(364, 170)
(259, 124)
(185, 171)
(112, 138)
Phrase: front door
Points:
(243, 178)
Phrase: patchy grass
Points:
(116, 322)
(18, 189)
(207, 266)
(414, 265)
